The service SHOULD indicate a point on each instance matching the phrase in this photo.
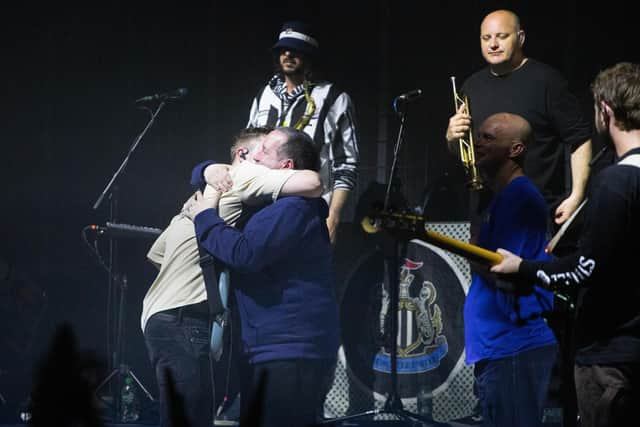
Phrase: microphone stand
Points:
(126, 159)
(392, 253)
(393, 176)
(119, 369)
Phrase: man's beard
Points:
(296, 72)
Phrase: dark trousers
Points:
(608, 395)
(513, 390)
(178, 344)
(285, 393)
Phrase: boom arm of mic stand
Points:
(116, 358)
(126, 159)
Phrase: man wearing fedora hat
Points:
(294, 98)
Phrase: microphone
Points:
(174, 94)
(409, 96)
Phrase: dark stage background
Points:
(70, 74)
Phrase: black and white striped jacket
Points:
(332, 127)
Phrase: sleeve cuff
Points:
(197, 175)
(529, 270)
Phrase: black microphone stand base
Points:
(114, 404)
(393, 408)
(122, 370)
(399, 414)
(393, 249)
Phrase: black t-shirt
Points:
(607, 326)
(540, 94)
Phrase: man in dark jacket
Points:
(283, 282)
(607, 355)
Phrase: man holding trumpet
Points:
(513, 83)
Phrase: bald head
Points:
(502, 140)
(501, 41)
(502, 17)
(511, 127)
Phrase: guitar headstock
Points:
(401, 224)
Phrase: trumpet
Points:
(467, 153)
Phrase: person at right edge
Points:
(607, 344)
(513, 83)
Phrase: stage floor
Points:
(361, 423)
(552, 421)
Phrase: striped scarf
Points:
(279, 87)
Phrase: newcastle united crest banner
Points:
(431, 288)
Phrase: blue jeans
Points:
(513, 390)
(178, 344)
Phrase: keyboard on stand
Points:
(129, 230)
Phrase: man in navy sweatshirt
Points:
(283, 283)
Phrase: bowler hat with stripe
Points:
(298, 36)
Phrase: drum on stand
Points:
(430, 342)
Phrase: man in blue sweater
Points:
(506, 338)
(283, 283)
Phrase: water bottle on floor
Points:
(129, 405)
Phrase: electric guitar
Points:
(410, 226)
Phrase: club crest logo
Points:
(428, 332)
(420, 342)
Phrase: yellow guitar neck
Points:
(458, 247)
(466, 250)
